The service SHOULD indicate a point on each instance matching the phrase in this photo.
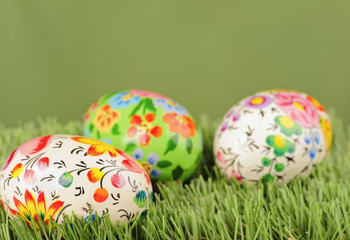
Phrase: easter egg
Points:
(276, 135)
(53, 175)
(154, 129)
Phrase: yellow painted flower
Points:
(327, 130)
(17, 170)
(280, 145)
(35, 209)
(94, 174)
(105, 118)
(148, 167)
(97, 147)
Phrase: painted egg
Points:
(275, 135)
(155, 130)
(54, 175)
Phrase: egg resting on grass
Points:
(154, 129)
(275, 135)
(53, 175)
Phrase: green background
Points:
(57, 57)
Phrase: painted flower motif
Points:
(288, 126)
(90, 110)
(152, 160)
(101, 195)
(35, 145)
(280, 145)
(66, 179)
(118, 180)
(316, 103)
(235, 175)
(233, 115)
(327, 130)
(94, 174)
(313, 139)
(147, 94)
(17, 170)
(298, 108)
(169, 105)
(92, 217)
(180, 124)
(43, 163)
(224, 126)
(105, 118)
(258, 102)
(268, 178)
(220, 157)
(140, 199)
(29, 176)
(97, 147)
(8, 161)
(134, 166)
(35, 209)
(123, 100)
(144, 128)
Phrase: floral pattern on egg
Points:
(276, 135)
(54, 175)
(150, 125)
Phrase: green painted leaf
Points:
(266, 161)
(115, 129)
(177, 172)
(172, 143)
(91, 127)
(98, 135)
(130, 147)
(164, 164)
(189, 145)
(279, 167)
(149, 106)
(138, 106)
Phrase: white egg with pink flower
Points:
(275, 135)
(53, 175)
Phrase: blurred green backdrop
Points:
(56, 57)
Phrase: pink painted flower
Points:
(118, 181)
(29, 176)
(132, 165)
(43, 163)
(35, 145)
(8, 161)
(221, 158)
(235, 175)
(300, 109)
(147, 94)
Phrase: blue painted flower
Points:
(123, 100)
(108, 141)
(152, 160)
(140, 199)
(170, 106)
(92, 217)
(313, 139)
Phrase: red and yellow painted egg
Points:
(53, 175)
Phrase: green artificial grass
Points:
(207, 206)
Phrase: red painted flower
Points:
(300, 109)
(221, 158)
(101, 195)
(144, 128)
(43, 163)
(35, 145)
(135, 166)
(182, 125)
(317, 104)
(29, 176)
(8, 161)
(36, 208)
(90, 110)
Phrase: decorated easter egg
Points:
(58, 174)
(154, 129)
(275, 135)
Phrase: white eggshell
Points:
(275, 135)
(54, 175)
